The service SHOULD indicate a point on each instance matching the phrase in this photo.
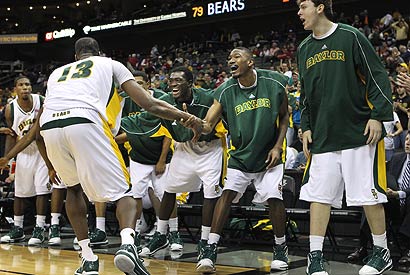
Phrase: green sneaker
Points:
(54, 237)
(158, 242)
(175, 241)
(38, 236)
(137, 241)
(16, 234)
(377, 263)
(88, 267)
(316, 263)
(200, 248)
(98, 237)
(280, 258)
(207, 263)
(126, 259)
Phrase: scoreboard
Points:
(218, 7)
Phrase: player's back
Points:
(87, 83)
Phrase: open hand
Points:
(374, 130)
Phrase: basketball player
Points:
(31, 178)
(193, 165)
(345, 97)
(81, 111)
(254, 105)
(149, 159)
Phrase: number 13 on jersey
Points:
(82, 70)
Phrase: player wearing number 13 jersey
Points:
(81, 111)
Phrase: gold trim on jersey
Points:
(380, 178)
(113, 111)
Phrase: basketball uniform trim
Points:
(305, 178)
(379, 168)
(116, 149)
(61, 123)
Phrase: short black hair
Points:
(188, 74)
(87, 45)
(142, 74)
(328, 6)
(20, 77)
(246, 50)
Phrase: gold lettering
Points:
(325, 55)
(252, 105)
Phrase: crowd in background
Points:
(273, 50)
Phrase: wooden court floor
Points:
(16, 259)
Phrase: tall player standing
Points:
(81, 110)
(254, 105)
(345, 97)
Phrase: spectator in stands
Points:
(393, 129)
(402, 28)
(403, 80)
(401, 106)
(258, 160)
(405, 53)
(132, 62)
(342, 162)
(297, 144)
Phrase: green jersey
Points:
(343, 85)
(147, 124)
(252, 118)
(144, 149)
(201, 102)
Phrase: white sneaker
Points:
(142, 226)
(205, 266)
(75, 241)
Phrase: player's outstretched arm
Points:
(20, 145)
(213, 116)
(155, 106)
(52, 174)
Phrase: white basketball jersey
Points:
(88, 83)
(23, 121)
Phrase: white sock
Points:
(41, 221)
(316, 242)
(205, 230)
(86, 251)
(55, 218)
(100, 223)
(213, 238)
(173, 224)
(162, 226)
(137, 226)
(281, 240)
(380, 240)
(19, 220)
(127, 236)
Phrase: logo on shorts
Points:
(374, 193)
(49, 185)
(217, 189)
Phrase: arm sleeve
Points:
(121, 73)
(374, 76)
(303, 104)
